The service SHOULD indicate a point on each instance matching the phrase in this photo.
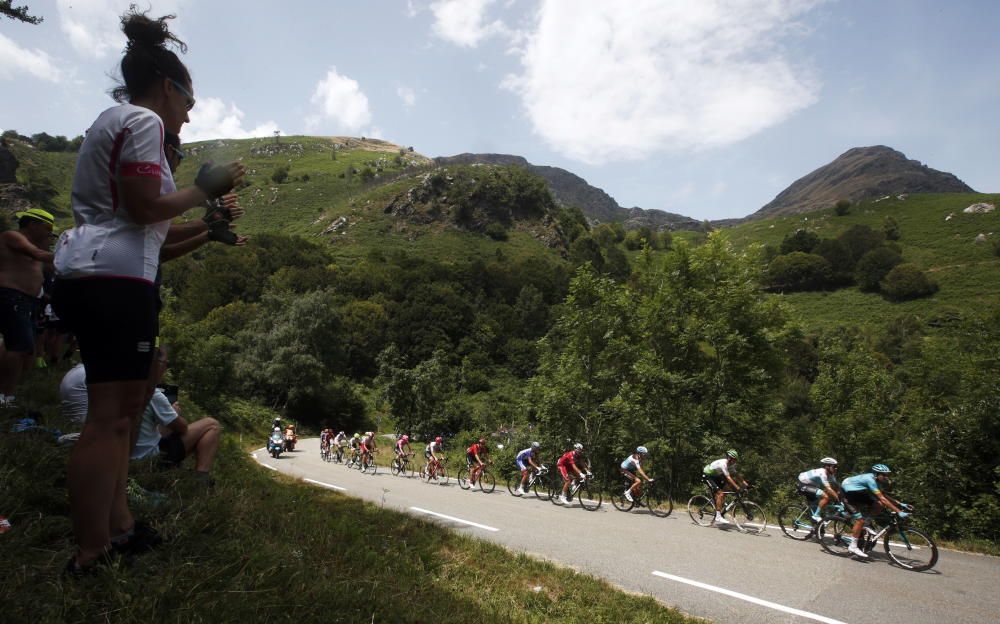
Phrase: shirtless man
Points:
(22, 255)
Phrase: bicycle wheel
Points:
(702, 510)
(589, 499)
(796, 521)
(463, 478)
(659, 505)
(369, 467)
(835, 536)
(487, 482)
(541, 489)
(514, 484)
(618, 500)
(442, 475)
(911, 549)
(395, 468)
(749, 517)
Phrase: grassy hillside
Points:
(968, 273)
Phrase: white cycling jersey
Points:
(817, 477)
(340, 439)
(719, 466)
(124, 141)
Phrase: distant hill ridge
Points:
(859, 174)
(570, 189)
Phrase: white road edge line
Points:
(454, 519)
(269, 466)
(757, 601)
(326, 485)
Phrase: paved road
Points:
(719, 574)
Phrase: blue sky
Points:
(707, 108)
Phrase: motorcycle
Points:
(275, 444)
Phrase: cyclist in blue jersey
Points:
(820, 483)
(863, 491)
(630, 466)
(525, 461)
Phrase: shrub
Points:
(367, 174)
(837, 254)
(996, 247)
(874, 266)
(280, 174)
(496, 231)
(859, 240)
(799, 271)
(907, 281)
(305, 177)
(842, 207)
(801, 240)
(890, 228)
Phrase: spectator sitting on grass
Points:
(182, 438)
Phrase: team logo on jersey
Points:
(144, 346)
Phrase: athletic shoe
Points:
(628, 496)
(817, 518)
(565, 501)
(721, 520)
(518, 492)
(857, 552)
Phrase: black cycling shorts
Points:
(116, 323)
(809, 491)
(17, 320)
(715, 482)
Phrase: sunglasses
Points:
(185, 92)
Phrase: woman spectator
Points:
(123, 200)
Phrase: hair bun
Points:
(145, 32)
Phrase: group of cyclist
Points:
(819, 486)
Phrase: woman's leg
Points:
(98, 466)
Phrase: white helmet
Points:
(578, 446)
(828, 461)
(536, 445)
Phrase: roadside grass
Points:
(261, 547)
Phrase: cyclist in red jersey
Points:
(474, 457)
(566, 464)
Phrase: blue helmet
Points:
(881, 469)
(642, 450)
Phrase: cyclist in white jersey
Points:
(123, 200)
(820, 483)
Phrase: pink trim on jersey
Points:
(141, 170)
(116, 151)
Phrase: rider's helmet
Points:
(536, 445)
(341, 433)
(732, 454)
(482, 441)
(357, 435)
(438, 439)
(577, 447)
(881, 469)
(829, 461)
(369, 434)
(642, 450)
(406, 438)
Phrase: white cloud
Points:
(17, 60)
(462, 22)
(603, 82)
(212, 119)
(342, 101)
(408, 96)
(93, 27)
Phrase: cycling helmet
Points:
(536, 445)
(341, 433)
(642, 450)
(828, 461)
(732, 454)
(881, 469)
(278, 429)
(482, 441)
(578, 447)
(369, 434)
(437, 439)
(406, 438)
(357, 435)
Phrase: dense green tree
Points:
(890, 228)
(874, 266)
(802, 240)
(586, 250)
(907, 281)
(799, 271)
(859, 240)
